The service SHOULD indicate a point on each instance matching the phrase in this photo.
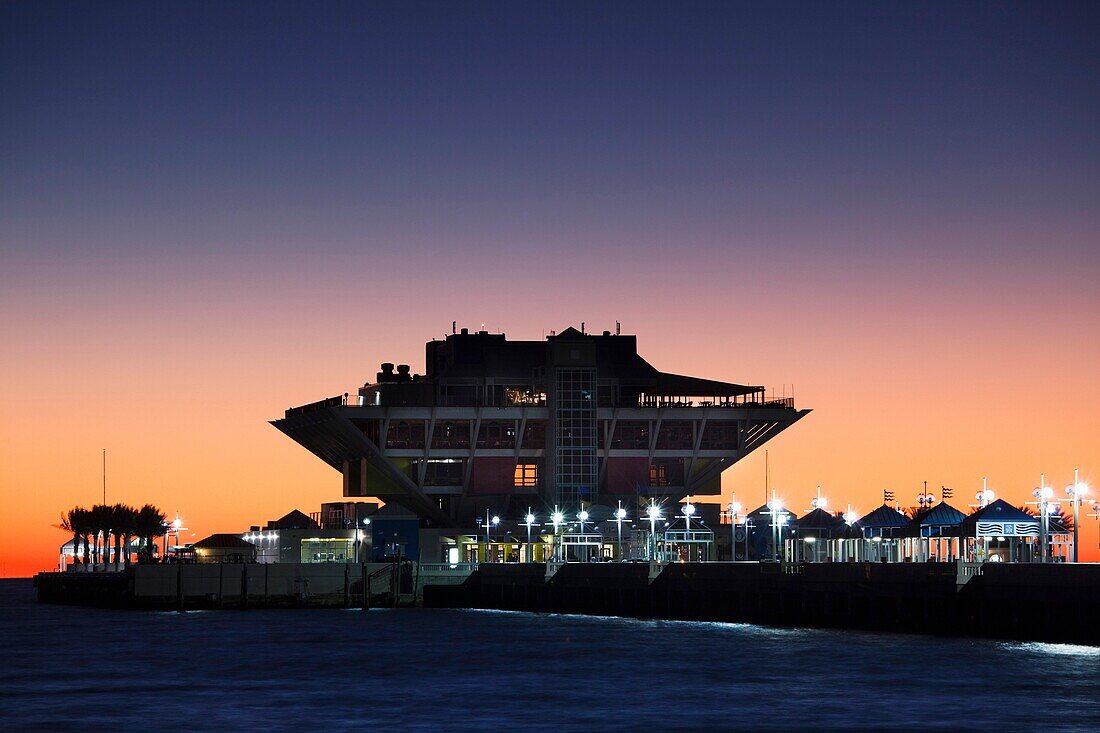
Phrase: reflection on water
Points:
(488, 671)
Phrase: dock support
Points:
(179, 588)
(347, 586)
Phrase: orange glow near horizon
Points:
(178, 390)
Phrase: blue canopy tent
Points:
(934, 533)
(1000, 532)
(882, 531)
(758, 526)
(812, 536)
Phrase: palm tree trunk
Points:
(87, 559)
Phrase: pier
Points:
(1052, 603)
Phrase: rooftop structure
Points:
(574, 420)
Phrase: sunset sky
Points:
(212, 211)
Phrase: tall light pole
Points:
(1043, 494)
(620, 515)
(850, 519)
(489, 523)
(775, 507)
(583, 516)
(735, 509)
(1075, 492)
(1096, 513)
(529, 520)
(557, 519)
(653, 512)
(818, 502)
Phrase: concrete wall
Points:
(1056, 603)
(228, 585)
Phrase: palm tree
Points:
(73, 521)
(151, 523)
(100, 525)
(125, 526)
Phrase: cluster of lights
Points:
(260, 536)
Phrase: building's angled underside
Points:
(503, 425)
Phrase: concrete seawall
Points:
(225, 585)
(1056, 603)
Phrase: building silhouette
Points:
(576, 420)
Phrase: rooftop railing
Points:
(349, 400)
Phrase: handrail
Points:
(448, 567)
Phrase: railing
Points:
(330, 402)
(348, 400)
(967, 570)
(447, 568)
(787, 402)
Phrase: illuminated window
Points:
(658, 475)
(527, 474)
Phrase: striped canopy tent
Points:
(1000, 531)
(934, 533)
(881, 531)
(1000, 519)
(813, 537)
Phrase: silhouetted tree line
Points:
(96, 528)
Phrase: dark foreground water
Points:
(63, 668)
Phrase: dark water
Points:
(63, 668)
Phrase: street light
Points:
(529, 520)
(653, 512)
(819, 502)
(1075, 491)
(583, 516)
(1043, 494)
(734, 510)
(489, 524)
(557, 518)
(620, 515)
(775, 507)
(925, 499)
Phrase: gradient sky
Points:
(213, 211)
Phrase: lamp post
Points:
(1043, 494)
(850, 518)
(620, 515)
(925, 499)
(653, 512)
(583, 516)
(775, 507)
(986, 496)
(1096, 513)
(818, 502)
(529, 520)
(489, 524)
(1075, 491)
(734, 510)
(556, 518)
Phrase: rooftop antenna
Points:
(454, 327)
(582, 326)
(104, 476)
(618, 328)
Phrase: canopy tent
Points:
(881, 531)
(933, 534)
(882, 522)
(758, 525)
(813, 537)
(1000, 532)
(688, 541)
(1000, 519)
